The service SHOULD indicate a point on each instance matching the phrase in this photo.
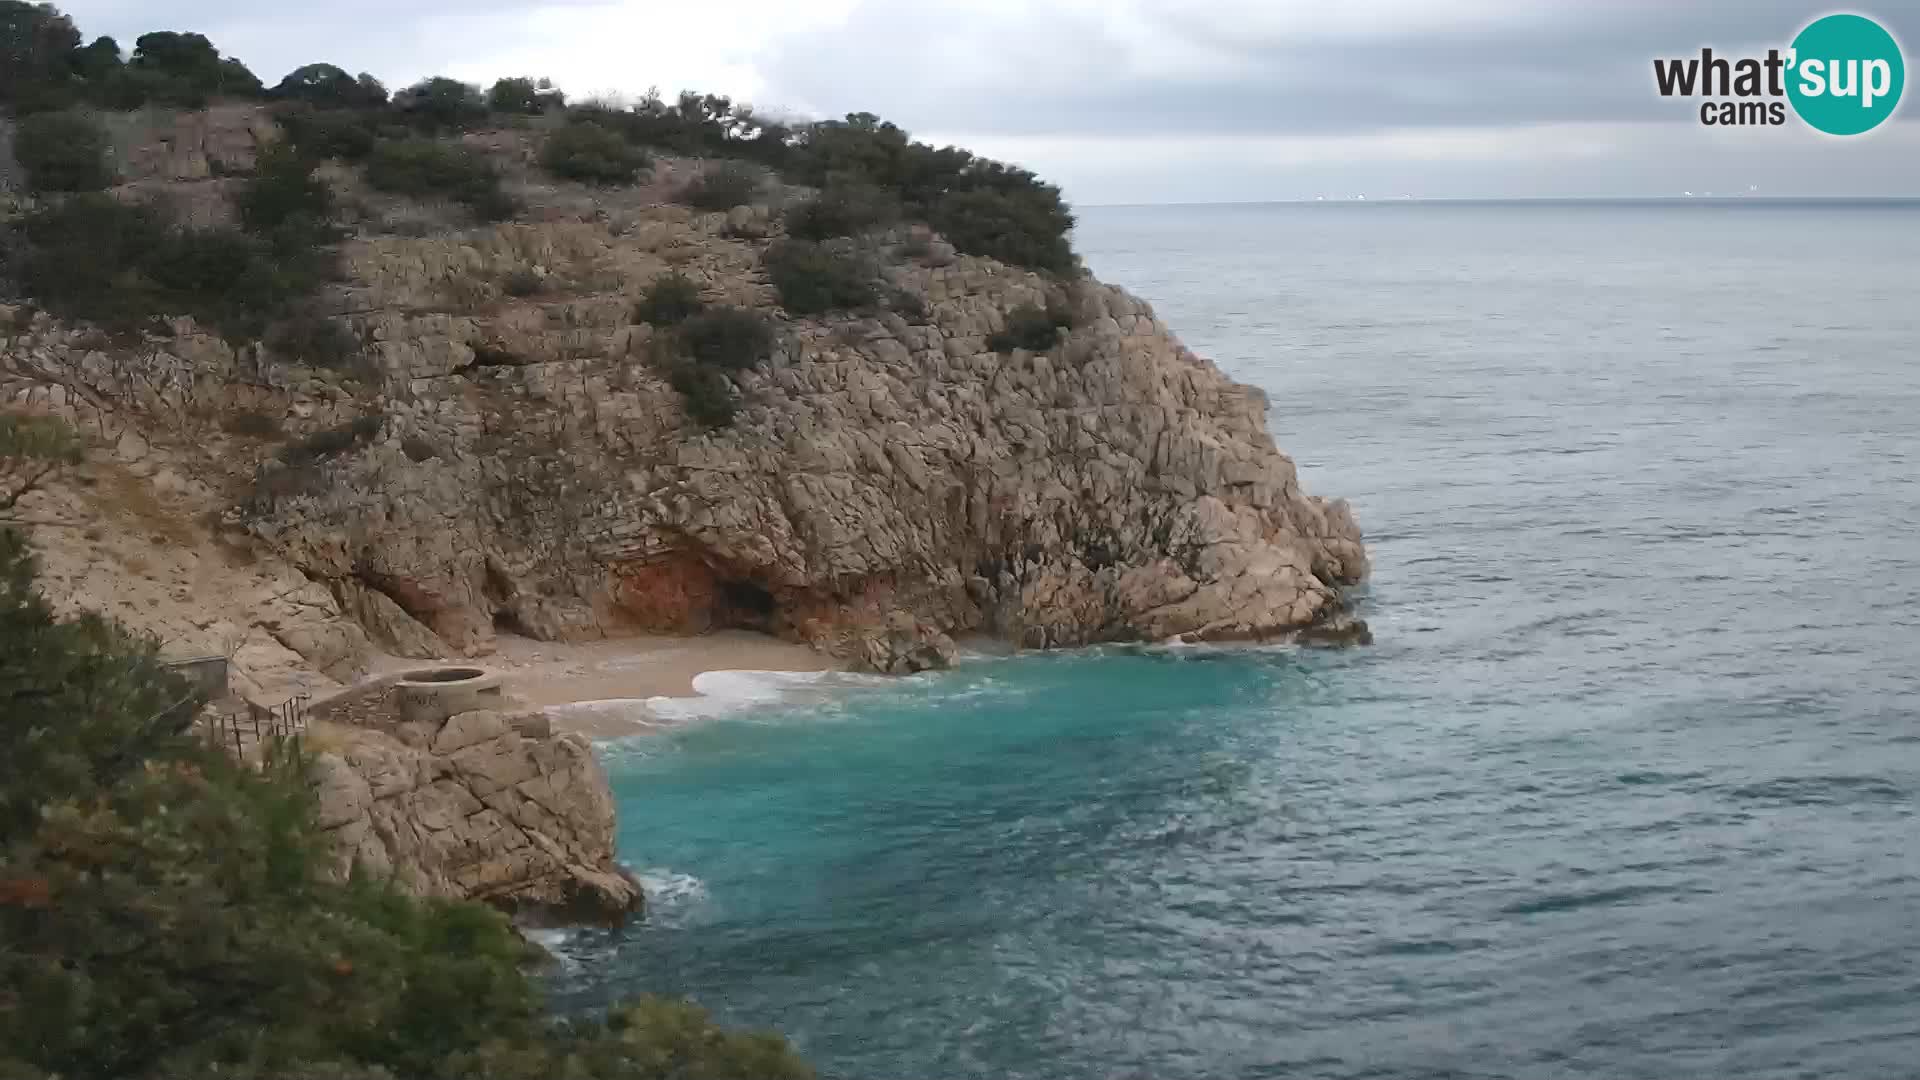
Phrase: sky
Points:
(1131, 101)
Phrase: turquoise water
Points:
(1625, 789)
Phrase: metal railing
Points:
(287, 720)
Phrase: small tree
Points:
(63, 151)
(33, 449)
(443, 104)
(37, 46)
(330, 87)
(186, 70)
(528, 97)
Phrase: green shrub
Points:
(284, 193)
(227, 279)
(648, 1039)
(84, 257)
(592, 154)
(727, 338)
(62, 151)
(346, 134)
(1020, 227)
(709, 395)
(843, 209)
(1031, 327)
(672, 298)
(814, 278)
(983, 207)
(424, 168)
(723, 187)
(96, 259)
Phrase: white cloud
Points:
(1141, 100)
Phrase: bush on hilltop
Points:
(846, 208)
(527, 97)
(426, 168)
(592, 154)
(441, 104)
(345, 134)
(329, 87)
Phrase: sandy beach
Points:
(549, 673)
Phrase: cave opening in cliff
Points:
(746, 604)
(506, 622)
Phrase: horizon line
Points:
(1392, 200)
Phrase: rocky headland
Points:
(507, 453)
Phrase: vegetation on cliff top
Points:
(123, 265)
(984, 207)
(167, 912)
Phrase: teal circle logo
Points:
(1846, 74)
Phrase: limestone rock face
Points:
(476, 807)
(890, 480)
(1116, 487)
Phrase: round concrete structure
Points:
(430, 695)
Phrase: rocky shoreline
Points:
(512, 458)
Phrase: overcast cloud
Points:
(1137, 101)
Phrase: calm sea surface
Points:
(1627, 787)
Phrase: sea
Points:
(1626, 786)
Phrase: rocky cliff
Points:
(520, 463)
(480, 805)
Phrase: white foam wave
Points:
(634, 711)
(670, 888)
(717, 693)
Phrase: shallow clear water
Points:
(1626, 788)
